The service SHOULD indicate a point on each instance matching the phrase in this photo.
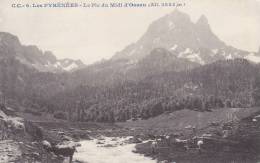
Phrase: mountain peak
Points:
(9, 45)
(8, 36)
(179, 16)
(203, 22)
(177, 12)
(184, 39)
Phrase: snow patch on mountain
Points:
(66, 65)
(174, 47)
(195, 57)
(57, 64)
(188, 50)
(214, 51)
(71, 67)
(229, 56)
(253, 58)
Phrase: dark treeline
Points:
(232, 83)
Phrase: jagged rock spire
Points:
(203, 22)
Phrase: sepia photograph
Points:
(129, 81)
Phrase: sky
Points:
(92, 34)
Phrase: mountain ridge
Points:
(32, 56)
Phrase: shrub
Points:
(60, 115)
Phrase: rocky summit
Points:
(194, 41)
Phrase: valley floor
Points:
(113, 143)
